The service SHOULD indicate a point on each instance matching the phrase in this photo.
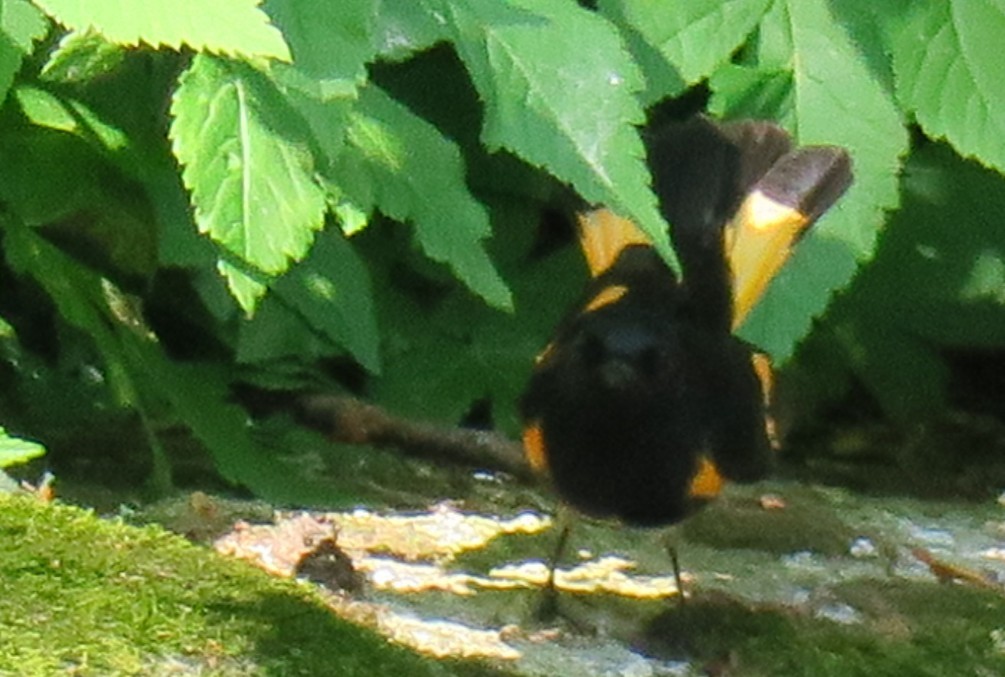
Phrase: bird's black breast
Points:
(625, 396)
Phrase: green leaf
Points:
(21, 24)
(832, 98)
(940, 253)
(411, 172)
(247, 289)
(200, 396)
(82, 56)
(78, 295)
(403, 28)
(556, 104)
(441, 357)
(277, 333)
(250, 175)
(950, 72)
(331, 41)
(329, 293)
(937, 280)
(234, 27)
(68, 115)
(694, 37)
(14, 450)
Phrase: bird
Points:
(645, 401)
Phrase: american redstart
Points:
(645, 402)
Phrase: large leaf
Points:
(559, 91)
(331, 41)
(808, 73)
(400, 163)
(222, 26)
(693, 37)
(20, 25)
(328, 294)
(249, 169)
(951, 74)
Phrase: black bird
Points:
(645, 402)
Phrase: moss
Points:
(907, 628)
(99, 597)
(807, 523)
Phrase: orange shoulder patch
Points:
(603, 235)
(605, 297)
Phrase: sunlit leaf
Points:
(950, 73)
(403, 165)
(235, 27)
(252, 182)
(576, 116)
(828, 81)
(14, 450)
(21, 24)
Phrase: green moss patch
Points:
(902, 628)
(88, 596)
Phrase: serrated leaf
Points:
(330, 292)
(829, 82)
(21, 24)
(14, 450)
(557, 105)
(411, 172)
(82, 56)
(950, 73)
(331, 41)
(403, 28)
(693, 36)
(233, 27)
(251, 179)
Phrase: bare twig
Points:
(350, 420)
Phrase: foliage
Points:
(14, 450)
(229, 182)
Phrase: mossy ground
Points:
(87, 596)
(775, 593)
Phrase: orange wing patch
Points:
(758, 241)
(794, 193)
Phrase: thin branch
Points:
(353, 421)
